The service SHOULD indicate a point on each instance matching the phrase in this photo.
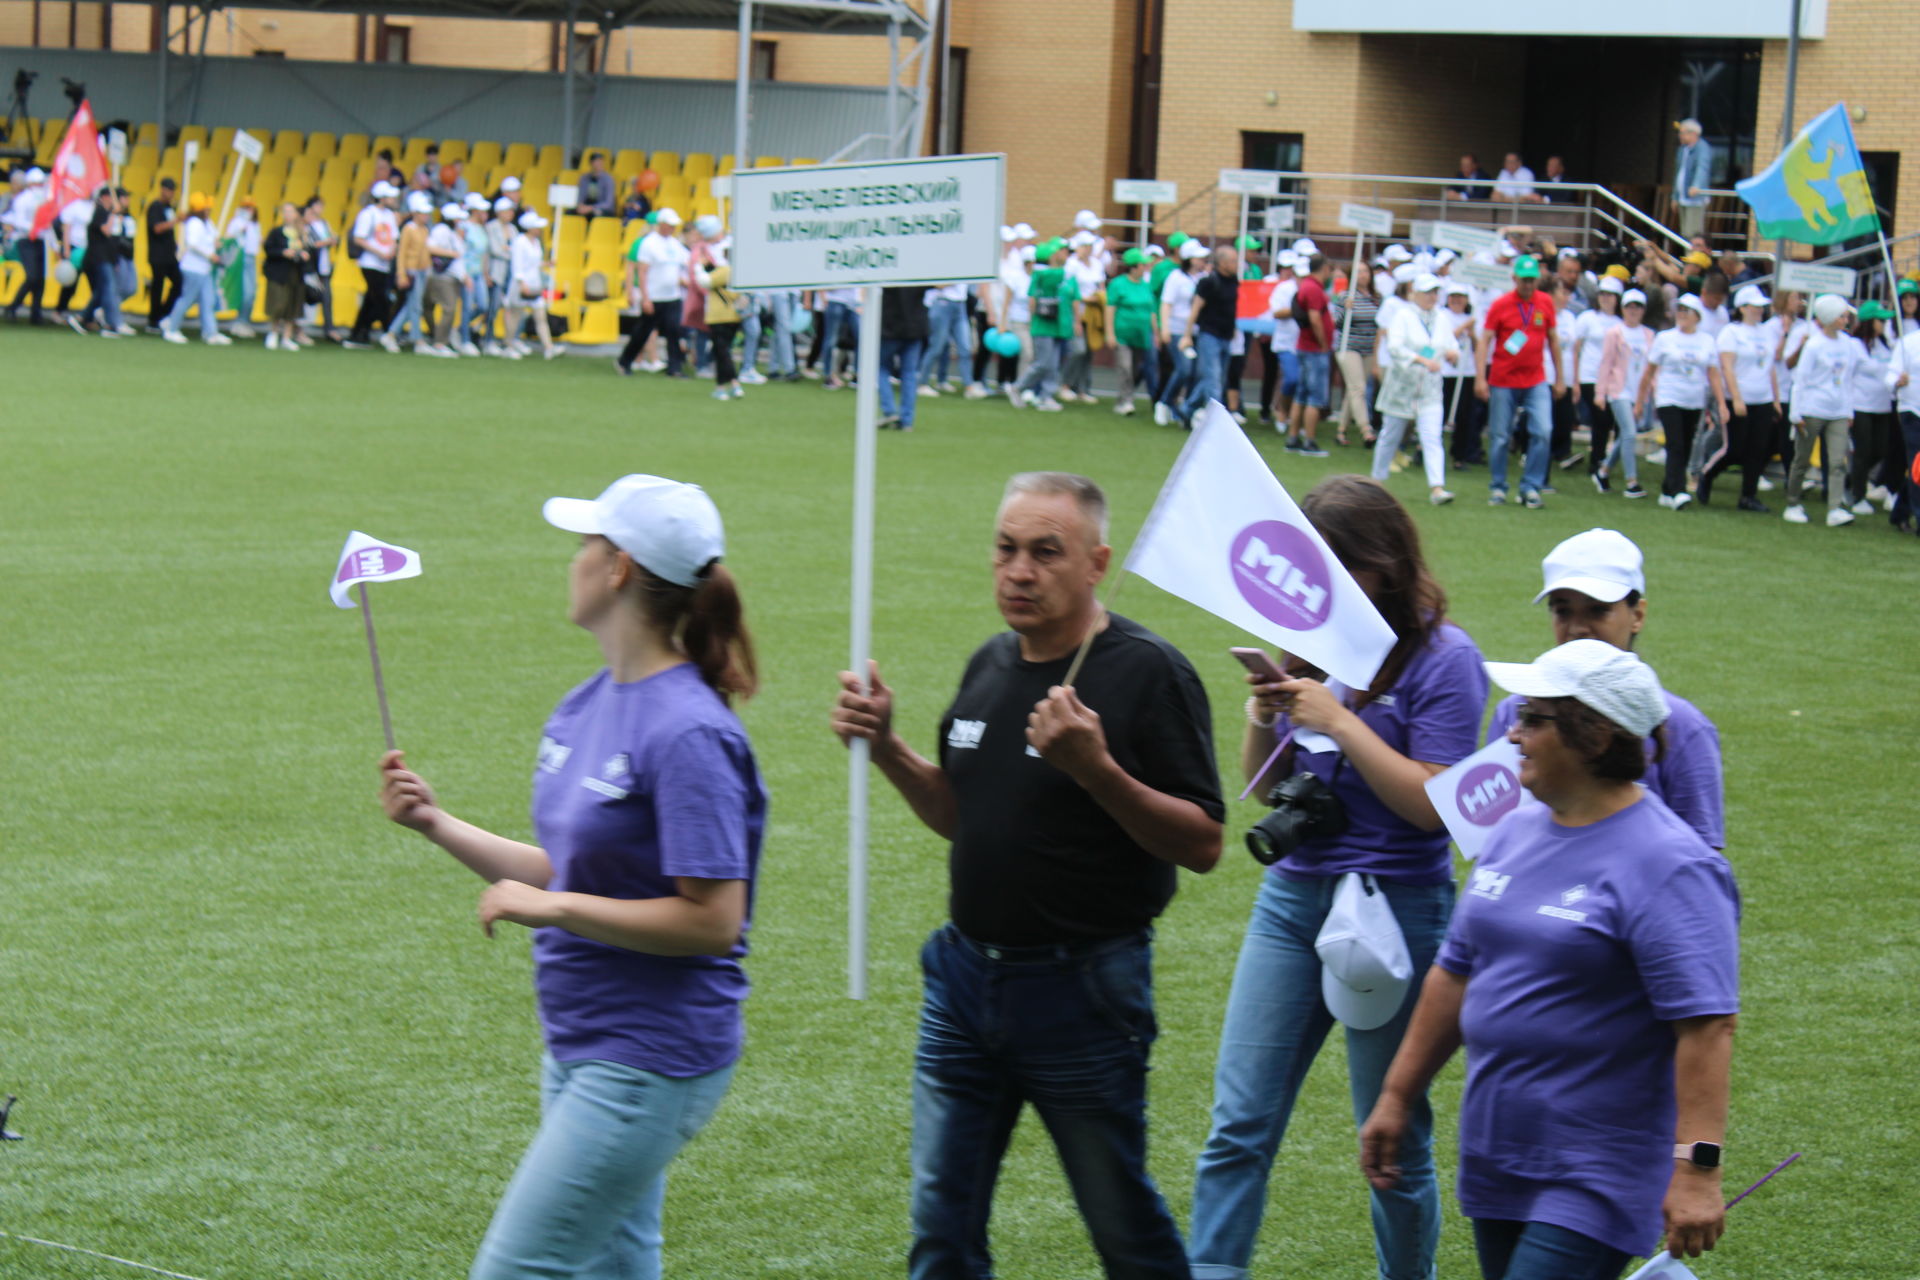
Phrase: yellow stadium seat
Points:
(452, 149)
(320, 145)
(705, 205)
(599, 324)
(198, 133)
(573, 231)
(337, 167)
(481, 156)
(518, 157)
(697, 164)
(797, 163)
(143, 153)
(415, 153)
(726, 165)
(603, 232)
(386, 142)
(628, 160)
(147, 135)
(568, 177)
(664, 163)
(552, 156)
(354, 146)
(769, 162)
(289, 142)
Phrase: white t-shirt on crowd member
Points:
(375, 224)
(1683, 361)
(246, 229)
(1589, 337)
(1512, 183)
(1177, 295)
(198, 245)
(1286, 330)
(664, 260)
(1871, 394)
(1088, 276)
(1714, 319)
(1752, 350)
(527, 274)
(445, 242)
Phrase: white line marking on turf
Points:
(74, 1248)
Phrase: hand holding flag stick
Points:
(363, 561)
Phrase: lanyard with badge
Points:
(1517, 340)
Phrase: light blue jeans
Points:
(751, 328)
(1623, 449)
(1504, 406)
(587, 1196)
(1276, 1023)
(1210, 383)
(948, 341)
(196, 290)
(781, 307)
(407, 326)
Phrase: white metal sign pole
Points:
(866, 429)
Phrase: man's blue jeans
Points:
(838, 314)
(948, 341)
(781, 308)
(1069, 1031)
(586, 1198)
(1180, 380)
(1542, 1251)
(196, 290)
(900, 356)
(1211, 356)
(407, 326)
(1276, 1022)
(1503, 405)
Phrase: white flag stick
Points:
(379, 680)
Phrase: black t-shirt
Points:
(1221, 294)
(279, 268)
(103, 247)
(1035, 861)
(161, 246)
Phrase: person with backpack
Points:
(1314, 348)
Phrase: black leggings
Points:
(1871, 432)
(1680, 426)
(722, 336)
(665, 319)
(373, 304)
(1749, 441)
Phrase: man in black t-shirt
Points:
(163, 256)
(1068, 809)
(1216, 306)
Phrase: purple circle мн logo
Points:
(1283, 575)
(1488, 793)
(370, 562)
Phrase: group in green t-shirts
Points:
(1133, 328)
(1054, 300)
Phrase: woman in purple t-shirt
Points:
(649, 811)
(1592, 973)
(1375, 750)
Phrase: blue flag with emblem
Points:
(1816, 190)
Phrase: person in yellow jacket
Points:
(723, 326)
(412, 264)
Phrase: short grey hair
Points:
(1691, 123)
(1090, 498)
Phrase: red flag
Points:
(79, 168)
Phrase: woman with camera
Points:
(1361, 806)
(1592, 974)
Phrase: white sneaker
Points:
(1124, 409)
(273, 342)
(1065, 394)
(1765, 485)
(1877, 493)
(508, 353)
(974, 391)
(1682, 499)
(1162, 416)
(1839, 516)
(753, 377)
(125, 331)
(1864, 508)
(1048, 406)
(217, 339)
(1440, 497)
(292, 348)
(1240, 419)
(391, 343)
(929, 392)
(1795, 514)
(1657, 457)
(468, 349)
(1015, 398)
(1666, 501)
(553, 353)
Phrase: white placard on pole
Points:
(189, 152)
(1365, 218)
(249, 146)
(1803, 277)
(1420, 231)
(116, 147)
(1144, 191)
(1249, 182)
(1497, 276)
(721, 187)
(926, 221)
(929, 221)
(1277, 218)
(1462, 238)
(563, 195)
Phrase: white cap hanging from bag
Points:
(1365, 968)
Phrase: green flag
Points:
(1816, 190)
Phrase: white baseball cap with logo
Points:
(1614, 682)
(1365, 968)
(672, 530)
(1601, 563)
(385, 191)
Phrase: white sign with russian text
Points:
(1144, 191)
(1365, 218)
(1249, 182)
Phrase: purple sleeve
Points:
(1690, 781)
(1503, 714)
(1685, 942)
(1445, 703)
(701, 806)
(1456, 953)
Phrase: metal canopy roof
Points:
(821, 17)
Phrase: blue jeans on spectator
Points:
(838, 314)
(1315, 390)
(782, 307)
(586, 1198)
(948, 342)
(1068, 1030)
(407, 326)
(1504, 405)
(900, 357)
(105, 299)
(1630, 427)
(1906, 490)
(1276, 1022)
(1288, 361)
(477, 310)
(196, 290)
(1210, 379)
(750, 331)
(1541, 1251)
(1042, 377)
(1185, 369)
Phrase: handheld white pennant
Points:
(366, 560)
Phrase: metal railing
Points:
(1903, 251)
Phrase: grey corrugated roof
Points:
(835, 17)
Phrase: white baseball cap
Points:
(672, 530)
(708, 225)
(385, 191)
(531, 221)
(1082, 240)
(503, 205)
(509, 183)
(1443, 257)
(1601, 563)
(1691, 301)
(453, 212)
(36, 174)
(669, 217)
(1006, 234)
(1633, 298)
(1025, 231)
(1028, 253)
(1194, 249)
(477, 201)
(1424, 282)
(1829, 307)
(1398, 253)
(1457, 290)
(1365, 969)
(419, 202)
(1087, 220)
(1404, 272)
(1287, 258)
(1507, 250)
(1750, 295)
(1611, 284)
(1305, 247)
(1614, 682)
(1156, 251)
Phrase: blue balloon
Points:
(802, 320)
(1003, 343)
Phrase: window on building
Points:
(392, 42)
(586, 48)
(953, 104)
(269, 53)
(1883, 179)
(1282, 151)
(760, 60)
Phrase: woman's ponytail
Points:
(715, 636)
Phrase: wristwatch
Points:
(1702, 1155)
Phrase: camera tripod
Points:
(17, 111)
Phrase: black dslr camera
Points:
(1304, 808)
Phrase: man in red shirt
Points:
(1518, 333)
(1315, 350)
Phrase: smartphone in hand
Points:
(1257, 662)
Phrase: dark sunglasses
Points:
(1533, 719)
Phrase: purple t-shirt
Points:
(636, 784)
(1688, 780)
(1579, 945)
(1431, 713)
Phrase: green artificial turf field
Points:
(256, 1031)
